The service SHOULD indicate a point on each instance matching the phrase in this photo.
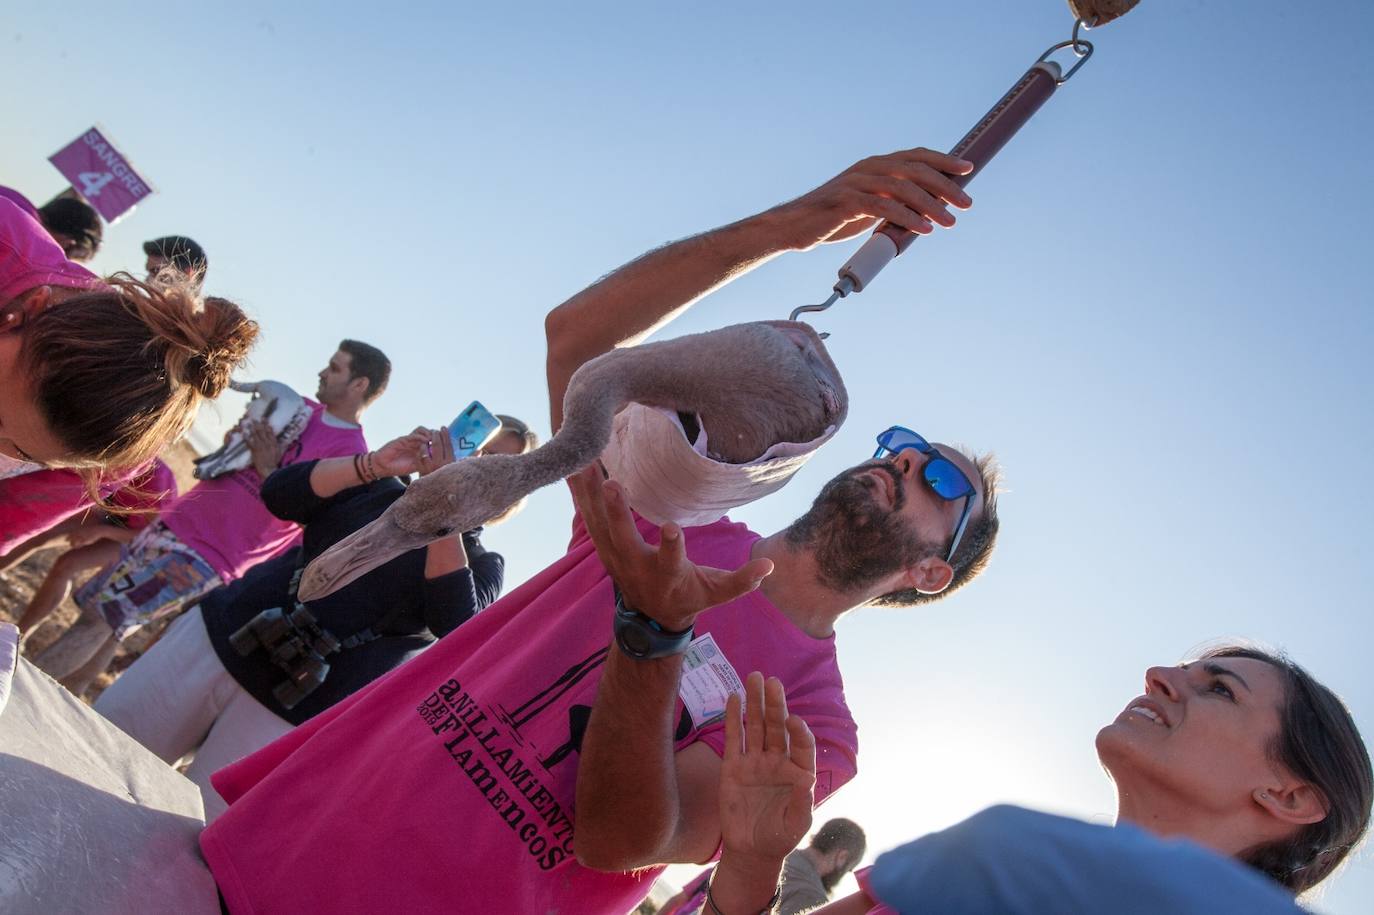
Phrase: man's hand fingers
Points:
(672, 548)
(753, 713)
(733, 727)
(620, 523)
(719, 586)
(925, 167)
(941, 185)
(774, 716)
(753, 572)
(910, 196)
(586, 490)
(801, 744)
(950, 165)
(897, 213)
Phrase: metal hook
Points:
(1087, 27)
(804, 309)
(1075, 44)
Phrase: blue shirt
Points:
(1008, 859)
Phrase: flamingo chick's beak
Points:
(357, 554)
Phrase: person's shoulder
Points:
(1078, 864)
(19, 201)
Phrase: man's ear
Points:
(929, 576)
(27, 304)
(1295, 802)
(358, 385)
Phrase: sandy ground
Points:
(18, 584)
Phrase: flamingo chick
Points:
(752, 385)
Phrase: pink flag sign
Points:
(101, 174)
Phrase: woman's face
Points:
(1199, 735)
(24, 431)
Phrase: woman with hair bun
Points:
(96, 377)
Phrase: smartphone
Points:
(472, 429)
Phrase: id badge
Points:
(708, 679)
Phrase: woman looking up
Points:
(1241, 753)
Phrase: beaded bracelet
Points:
(358, 467)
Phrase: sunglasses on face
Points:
(941, 474)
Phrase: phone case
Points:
(472, 429)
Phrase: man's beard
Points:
(856, 541)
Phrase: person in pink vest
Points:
(96, 377)
(71, 222)
(220, 528)
(127, 510)
(554, 752)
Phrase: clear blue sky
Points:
(1158, 312)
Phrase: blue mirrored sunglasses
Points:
(942, 475)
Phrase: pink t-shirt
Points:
(34, 502)
(142, 496)
(29, 257)
(20, 200)
(448, 785)
(224, 519)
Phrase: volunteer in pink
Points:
(94, 377)
(220, 528)
(94, 543)
(459, 781)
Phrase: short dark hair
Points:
(975, 550)
(184, 253)
(366, 361)
(1319, 743)
(841, 833)
(76, 219)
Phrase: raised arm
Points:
(398, 457)
(640, 802)
(910, 188)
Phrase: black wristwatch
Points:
(642, 637)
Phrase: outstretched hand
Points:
(422, 451)
(660, 582)
(911, 188)
(767, 776)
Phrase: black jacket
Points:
(424, 609)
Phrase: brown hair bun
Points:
(120, 372)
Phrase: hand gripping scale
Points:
(978, 146)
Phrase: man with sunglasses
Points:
(590, 700)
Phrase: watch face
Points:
(635, 640)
